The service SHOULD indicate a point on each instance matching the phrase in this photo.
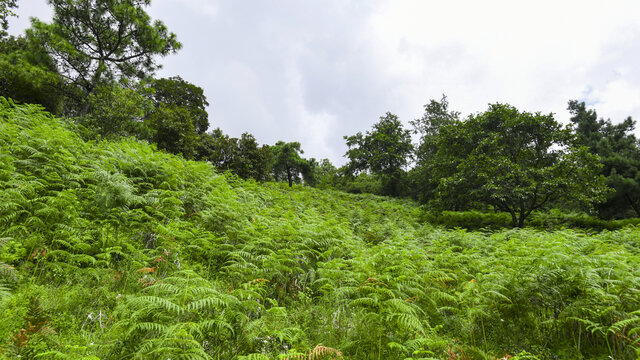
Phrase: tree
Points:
(241, 156)
(287, 162)
(177, 92)
(436, 114)
(619, 153)
(179, 116)
(253, 162)
(385, 151)
(326, 174)
(515, 161)
(98, 41)
(118, 110)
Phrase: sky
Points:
(313, 71)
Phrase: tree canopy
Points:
(97, 41)
(385, 151)
(619, 153)
(514, 161)
(287, 162)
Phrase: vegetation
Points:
(517, 162)
(117, 250)
(127, 231)
(384, 150)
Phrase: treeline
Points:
(503, 160)
(95, 63)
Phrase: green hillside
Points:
(114, 250)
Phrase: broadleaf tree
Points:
(436, 114)
(516, 162)
(385, 151)
(179, 116)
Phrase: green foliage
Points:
(117, 110)
(384, 150)
(121, 251)
(436, 115)
(28, 74)
(619, 152)
(178, 117)
(5, 12)
(241, 156)
(287, 163)
(515, 161)
(96, 42)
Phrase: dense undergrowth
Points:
(114, 250)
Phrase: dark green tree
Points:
(385, 151)
(175, 91)
(217, 148)
(118, 110)
(436, 114)
(619, 153)
(179, 116)
(243, 156)
(253, 161)
(287, 162)
(327, 175)
(515, 161)
(100, 41)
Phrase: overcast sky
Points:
(314, 71)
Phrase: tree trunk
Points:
(290, 177)
(523, 215)
(514, 218)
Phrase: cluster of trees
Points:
(505, 160)
(95, 63)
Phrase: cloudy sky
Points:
(313, 71)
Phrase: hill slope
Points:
(114, 250)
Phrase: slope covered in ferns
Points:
(114, 250)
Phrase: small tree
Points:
(287, 162)
(515, 161)
(384, 151)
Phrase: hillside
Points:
(114, 250)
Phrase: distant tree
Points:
(177, 92)
(179, 116)
(327, 175)
(241, 156)
(515, 161)
(436, 114)
(385, 151)
(217, 148)
(253, 161)
(95, 42)
(619, 153)
(287, 162)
